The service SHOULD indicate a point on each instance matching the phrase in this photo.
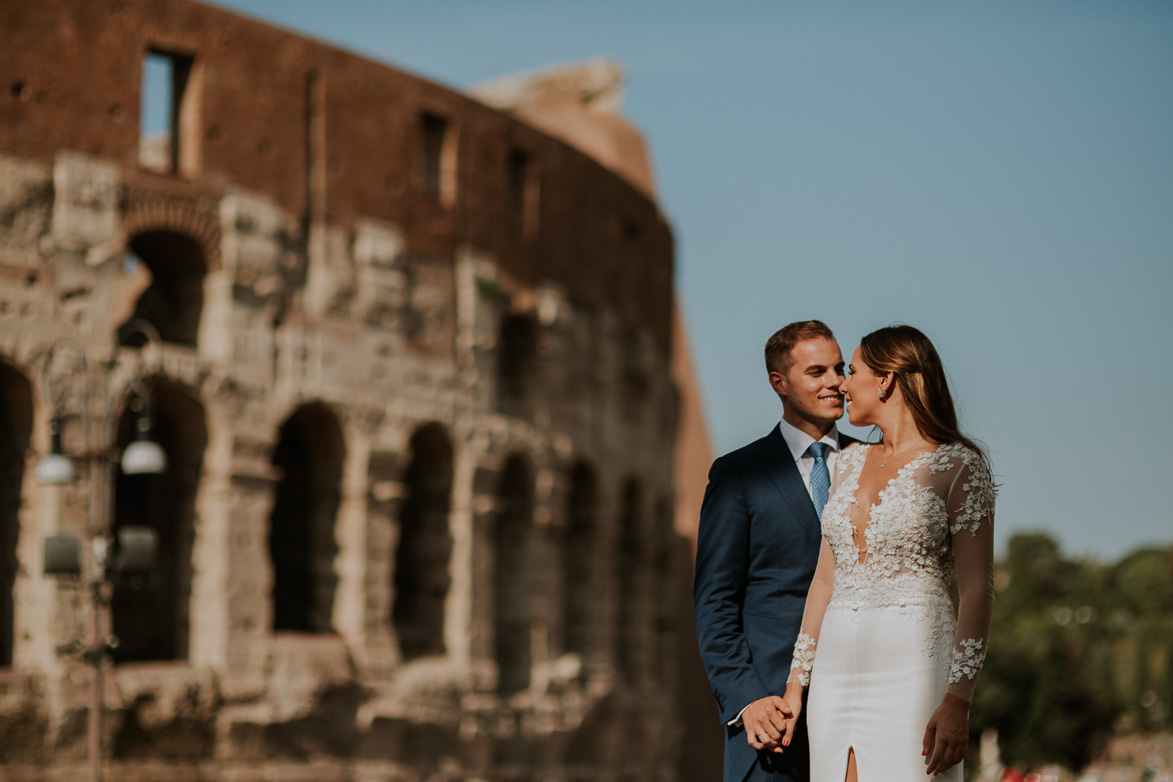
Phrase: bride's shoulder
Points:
(965, 454)
(855, 452)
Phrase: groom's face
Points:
(809, 387)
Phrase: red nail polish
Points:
(924, 752)
(786, 742)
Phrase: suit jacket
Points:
(757, 548)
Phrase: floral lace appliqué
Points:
(978, 492)
(967, 660)
(908, 561)
(804, 658)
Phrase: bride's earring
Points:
(880, 391)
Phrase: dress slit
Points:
(847, 763)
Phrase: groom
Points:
(757, 548)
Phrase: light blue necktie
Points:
(820, 477)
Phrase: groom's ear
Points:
(778, 383)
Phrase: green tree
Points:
(1141, 587)
(1143, 582)
(1043, 686)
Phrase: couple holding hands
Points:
(823, 569)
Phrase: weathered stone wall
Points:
(417, 519)
(327, 135)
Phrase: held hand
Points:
(947, 735)
(792, 702)
(765, 722)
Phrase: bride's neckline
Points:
(924, 449)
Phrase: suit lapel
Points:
(779, 465)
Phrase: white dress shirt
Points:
(799, 441)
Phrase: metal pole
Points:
(95, 501)
(95, 654)
(95, 473)
(97, 495)
(100, 499)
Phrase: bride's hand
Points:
(793, 700)
(947, 735)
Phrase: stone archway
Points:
(421, 577)
(151, 617)
(517, 364)
(579, 562)
(631, 575)
(170, 268)
(16, 423)
(302, 543)
(666, 551)
(512, 541)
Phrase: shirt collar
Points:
(798, 441)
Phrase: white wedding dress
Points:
(879, 615)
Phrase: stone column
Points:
(211, 552)
(248, 503)
(351, 534)
(461, 523)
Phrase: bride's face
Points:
(861, 392)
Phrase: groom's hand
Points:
(765, 722)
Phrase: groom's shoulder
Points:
(746, 454)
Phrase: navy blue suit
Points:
(757, 548)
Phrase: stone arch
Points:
(665, 553)
(512, 541)
(579, 560)
(16, 425)
(149, 212)
(631, 566)
(302, 544)
(151, 619)
(170, 268)
(517, 363)
(421, 577)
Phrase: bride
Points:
(890, 668)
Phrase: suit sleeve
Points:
(722, 566)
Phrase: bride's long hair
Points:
(917, 369)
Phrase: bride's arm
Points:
(808, 637)
(971, 522)
(817, 599)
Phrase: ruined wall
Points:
(414, 390)
(327, 135)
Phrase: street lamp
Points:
(144, 456)
(55, 468)
(133, 551)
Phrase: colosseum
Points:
(408, 354)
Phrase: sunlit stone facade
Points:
(413, 383)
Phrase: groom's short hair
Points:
(778, 347)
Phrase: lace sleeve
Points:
(817, 599)
(819, 595)
(803, 661)
(971, 521)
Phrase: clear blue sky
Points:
(999, 174)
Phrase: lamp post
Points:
(136, 544)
